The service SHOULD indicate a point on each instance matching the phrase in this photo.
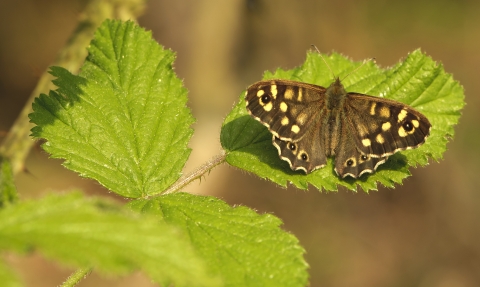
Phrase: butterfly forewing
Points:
(286, 108)
(382, 127)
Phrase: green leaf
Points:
(8, 191)
(247, 249)
(123, 120)
(96, 233)
(417, 81)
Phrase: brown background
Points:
(423, 233)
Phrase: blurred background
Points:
(424, 233)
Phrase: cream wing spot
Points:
(415, 123)
(260, 93)
(385, 112)
(300, 94)
(386, 126)
(288, 93)
(372, 109)
(295, 129)
(402, 115)
(285, 121)
(380, 139)
(402, 132)
(274, 91)
(283, 107)
(268, 107)
(366, 142)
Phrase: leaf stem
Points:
(76, 276)
(197, 173)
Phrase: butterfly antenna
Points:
(331, 71)
(364, 62)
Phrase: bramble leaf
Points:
(97, 233)
(123, 119)
(243, 247)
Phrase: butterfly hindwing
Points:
(300, 155)
(348, 162)
(349, 159)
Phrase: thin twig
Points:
(76, 277)
(197, 173)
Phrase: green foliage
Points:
(246, 248)
(123, 120)
(97, 233)
(417, 81)
(8, 191)
(8, 278)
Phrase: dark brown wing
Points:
(287, 108)
(349, 160)
(302, 155)
(382, 127)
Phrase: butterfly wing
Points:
(349, 160)
(362, 164)
(288, 109)
(303, 155)
(361, 131)
(382, 127)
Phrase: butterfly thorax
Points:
(335, 95)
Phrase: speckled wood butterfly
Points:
(310, 123)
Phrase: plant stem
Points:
(78, 275)
(197, 173)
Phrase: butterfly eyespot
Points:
(364, 157)
(304, 156)
(408, 126)
(291, 146)
(349, 162)
(266, 99)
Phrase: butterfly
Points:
(310, 123)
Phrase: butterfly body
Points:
(310, 123)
